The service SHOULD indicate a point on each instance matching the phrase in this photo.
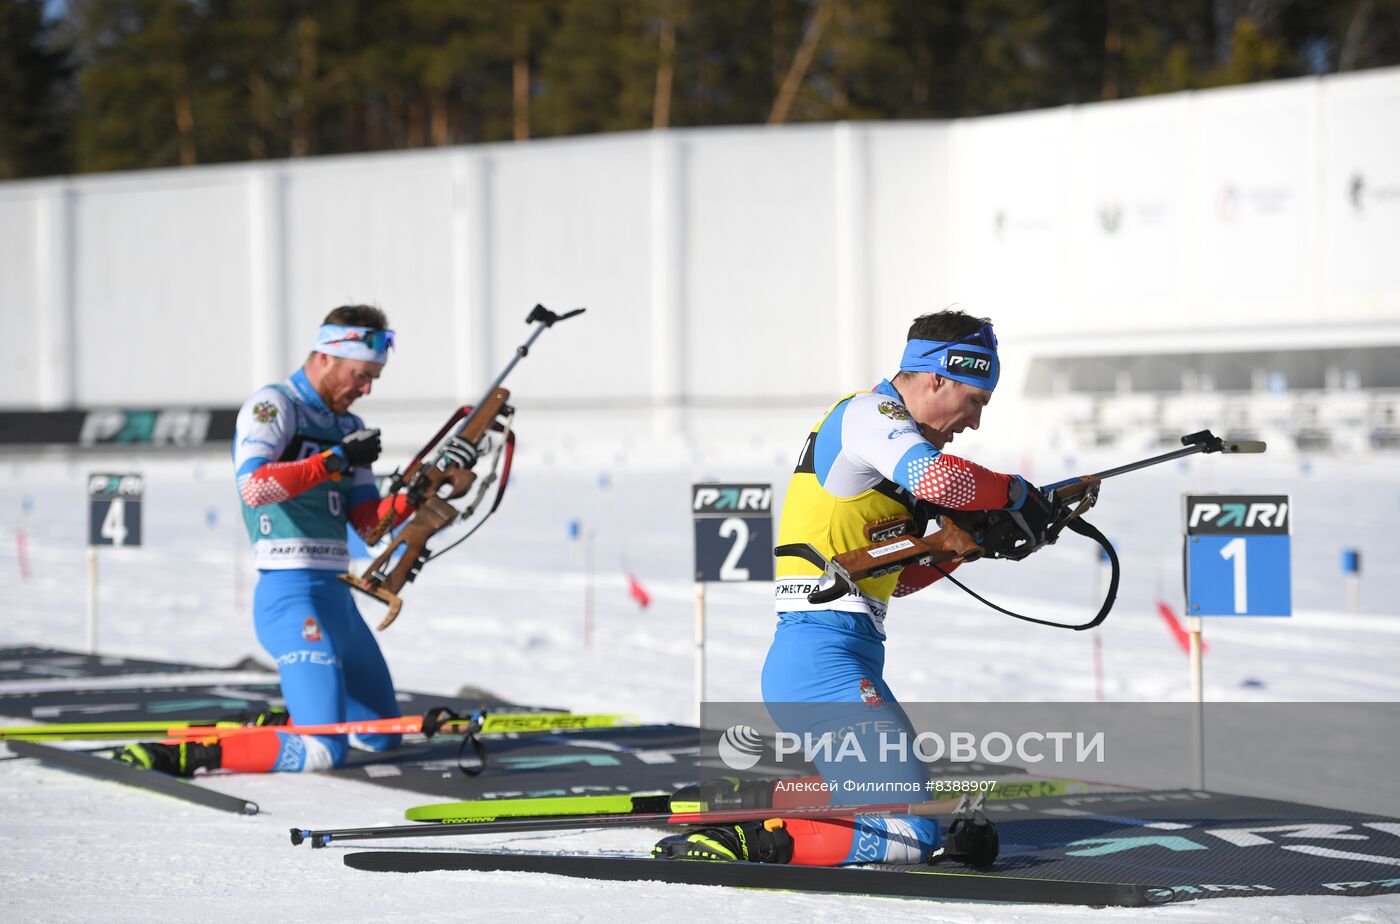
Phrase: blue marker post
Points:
(1351, 567)
(574, 528)
(588, 536)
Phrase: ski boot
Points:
(752, 841)
(270, 717)
(175, 759)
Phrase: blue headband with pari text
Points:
(972, 361)
(367, 343)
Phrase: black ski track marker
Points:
(105, 768)
(908, 882)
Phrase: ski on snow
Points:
(902, 881)
(482, 723)
(151, 780)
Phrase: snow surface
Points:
(507, 613)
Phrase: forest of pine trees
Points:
(92, 85)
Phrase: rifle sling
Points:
(1084, 528)
(1077, 524)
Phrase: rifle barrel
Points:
(520, 352)
(1204, 441)
(1144, 463)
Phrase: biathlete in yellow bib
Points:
(870, 457)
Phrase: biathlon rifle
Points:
(967, 535)
(442, 471)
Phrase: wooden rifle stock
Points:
(896, 548)
(411, 472)
(1072, 489)
(430, 487)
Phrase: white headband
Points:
(367, 343)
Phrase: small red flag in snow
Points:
(637, 591)
(1182, 637)
(22, 549)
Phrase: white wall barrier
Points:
(725, 267)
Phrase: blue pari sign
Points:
(1238, 556)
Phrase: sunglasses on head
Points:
(379, 341)
(984, 336)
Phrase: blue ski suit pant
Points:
(330, 664)
(824, 675)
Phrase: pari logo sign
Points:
(966, 362)
(102, 484)
(731, 499)
(114, 508)
(1238, 554)
(155, 428)
(733, 531)
(1222, 514)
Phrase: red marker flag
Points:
(1182, 637)
(22, 550)
(637, 591)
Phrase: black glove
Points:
(359, 448)
(1036, 515)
